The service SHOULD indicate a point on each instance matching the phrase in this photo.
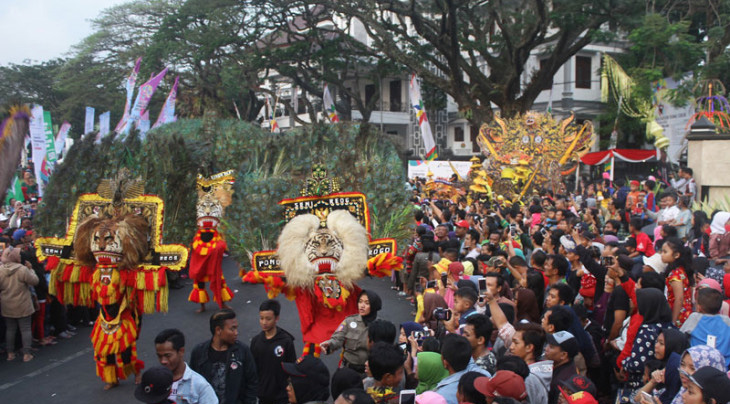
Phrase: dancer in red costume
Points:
(214, 195)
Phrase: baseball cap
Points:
(578, 383)
(566, 341)
(155, 386)
(656, 263)
(611, 240)
(456, 268)
(581, 397)
(495, 261)
(18, 234)
(3, 217)
(634, 182)
(504, 383)
(443, 265)
(713, 382)
(309, 367)
(567, 243)
(462, 223)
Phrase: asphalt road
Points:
(65, 373)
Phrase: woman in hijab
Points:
(654, 308)
(432, 301)
(719, 236)
(352, 334)
(430, 371)
(694, 358)
(670, 345)
(527, 308)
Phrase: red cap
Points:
(635, 182)
(462, 223)
(504, 384)
(456, 268)
(581, 397)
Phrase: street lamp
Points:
(702, 126)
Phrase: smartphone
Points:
(544, 232)
(444, 279)
(407, 397)
(647, 397)
(481, 299)
(430, 284)
(607, 261)
(482, 284)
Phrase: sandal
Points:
(27, 357)
(11, 357)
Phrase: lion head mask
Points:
(307, 249)
(124, 241)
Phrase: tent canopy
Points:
(629, 155)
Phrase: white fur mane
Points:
(300, 229)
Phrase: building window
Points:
(395, 96)
(369, 93)
(582, 72)
(458, 134)
(548, 84)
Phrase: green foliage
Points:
(269, 167)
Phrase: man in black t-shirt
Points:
(226, 363)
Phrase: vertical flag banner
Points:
(15, 191)
(143, 125)
(329, 105)
(61, 137)
(167, 114)
(49, 159)
(104, 123)
(129, 86)
(272, 118)
(144, 96)
(418, 107)
(38, 142)
(89, 122)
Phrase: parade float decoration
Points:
(531, 151)
(480, 184)
(112, 256)
(208, 247)
(323, 249)
(712, 105)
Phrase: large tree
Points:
(477, 51)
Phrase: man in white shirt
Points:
(187, 386)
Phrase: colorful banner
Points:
(15, 191)
(89, 122)
(49, 160)
(144, 96)
(329, 105)
(417, 103)
(38, 143)
(60, 142)
(104, 123)
(129, 86)
(167, 113)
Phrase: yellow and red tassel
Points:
(198, 295)
(384, 264)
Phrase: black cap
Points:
(310, 367)
(155, 386)
(713, 382)
(566, 341)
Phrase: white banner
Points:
(89, 123)
(61, 137)
(439, 168)
(38, 142)
(672, 119)
(104, 123)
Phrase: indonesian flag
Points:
(129, 85)
(420, 110)
(329, 105)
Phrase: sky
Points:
(40, 30)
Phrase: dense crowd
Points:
(613, 293)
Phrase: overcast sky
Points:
(45, 29)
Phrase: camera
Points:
(607, 261)
(442, 314)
